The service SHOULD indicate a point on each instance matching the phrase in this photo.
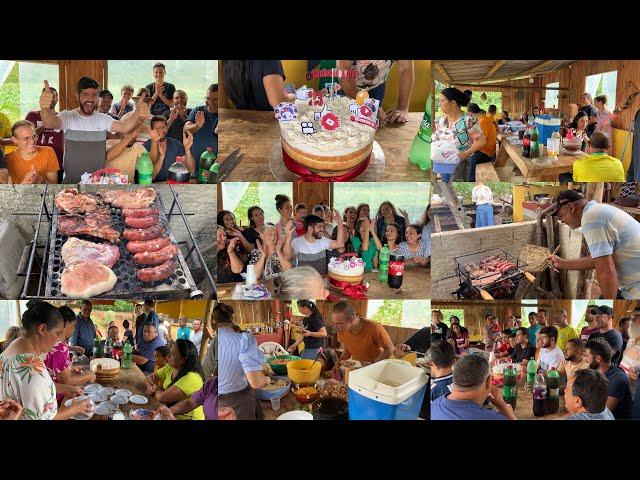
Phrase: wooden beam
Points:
(506, 87)
(443, 72)
(538, 66)
(495, 68)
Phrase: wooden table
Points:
(524, 407)
(416, 285)
(256, 133)
(288, 403)
(547, 172)
(225, 290)
(131, 379)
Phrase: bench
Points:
(486, 172)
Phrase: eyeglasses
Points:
(33, 137)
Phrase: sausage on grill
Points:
(156, 258)
(140, 212)
(141, 222)
(156, 274)
(140, 234)
(148, 245)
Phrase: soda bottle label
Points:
(396, 268)
(425, 127)
(203, 176)
(554, 392)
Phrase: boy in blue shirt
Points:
(441, 360)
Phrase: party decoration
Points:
(361, 97)
(303, 93)
(286, 111)
(365, 121)
(308, 128)
(330, 121)
(331, 88)
(317, 99)
(333, 72)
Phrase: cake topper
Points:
(303, 93)
(354, 108)
(317, 99)
(365, 111)
(361, 97)
(373, 104)
(333, 72)
(365, 121)
(331, 88)
(308, 128)
(318, 115)
(286, 111)
(330, 121)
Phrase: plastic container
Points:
(546, 125)
(386, 390)
(444, 167)
(279, 369)
(553, 146)
(275, 403)
(299, 373)
(296, 415)
(267, 395)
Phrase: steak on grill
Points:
(86, 280)
(75, 251)
(97, 224)
(70, 201)
(140, 198)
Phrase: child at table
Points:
(161, 358)
(598, 166)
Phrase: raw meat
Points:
(156, 258)
(148, 245)
(86, 280)
(144, 222)
(70, 201)
(97, 224)
(140, 212)
(156, 274)
(143, 233)
(75, 251)
(140, 198)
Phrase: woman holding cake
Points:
(459, 128)
(268, 257)
(413, 250)
(367, 244)
(255, 214)
(180, 378)
(387, 215)
(25, 378)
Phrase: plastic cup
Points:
(275, 404)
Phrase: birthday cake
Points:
(350, 270)
(330, 135)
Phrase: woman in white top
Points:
(482, 196)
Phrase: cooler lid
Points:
(389, 381)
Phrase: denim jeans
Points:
(309, 353)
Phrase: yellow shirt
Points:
(564, 335)
(598, 167)
(5, 132)
(189, 384)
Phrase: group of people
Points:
(52, 147)
(33, 389)
(594, 386)
(473, 132)
(241, 361)
(260, 84)
(296, 250)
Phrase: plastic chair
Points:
(272, 348)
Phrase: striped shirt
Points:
(611, 231)
(423, 251)
(312, 254)
(238, 354)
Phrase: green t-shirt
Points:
(367, 256)
(189, 384)
(326, 65)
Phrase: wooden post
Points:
(204, 345)
(595, 192)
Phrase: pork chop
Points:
(70, 201)
(140, 198)
(86, 280)
(97, 224)
(75, 251)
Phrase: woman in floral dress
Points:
(24, 378)
(604, 119)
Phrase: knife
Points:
(230, 163)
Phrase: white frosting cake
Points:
(351, 267)
(348, 137)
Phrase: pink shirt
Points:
(48, 137)
(57, 361)
(603, 122)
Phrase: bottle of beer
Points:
(207, 159)
(534, 143)
(526, 143)
(396, 270)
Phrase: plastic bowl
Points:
(296, 415)
(306, 398)
(267, 395)
(299, 373)
(279, 369)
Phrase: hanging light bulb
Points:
(483, 97)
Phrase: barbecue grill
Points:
(43, 263)
(502, 288)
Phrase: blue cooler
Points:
(546, 125)
(386, 390)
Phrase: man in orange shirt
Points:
(489, 131)
(362, 340)
(31, 163)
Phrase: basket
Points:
(535, 258)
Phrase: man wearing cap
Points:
(613, 239)
(604, 321)
(470, 389)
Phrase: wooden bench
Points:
(486, 172)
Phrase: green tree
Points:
(390, 313)
(450, 312)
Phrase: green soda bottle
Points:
(207, 160)
(383, 268)
(420, 153)
(126, 355)
(144, 169)
(213, 173)
(532, 368)
(96, 347)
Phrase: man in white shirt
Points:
(311, 247)
(86, 117)
(196, 335)
(550, 355)
(163, 332)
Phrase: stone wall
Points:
(198, 203)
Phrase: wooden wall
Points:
(69, 74)
(515, 101)
(311, 194)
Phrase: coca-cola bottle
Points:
(396, 270)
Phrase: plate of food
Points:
(106, 391)
(143, 414)
(105, 408)
(118, 400)
(123, 392)
(97, 398)
(139, 399)
(92, 388)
